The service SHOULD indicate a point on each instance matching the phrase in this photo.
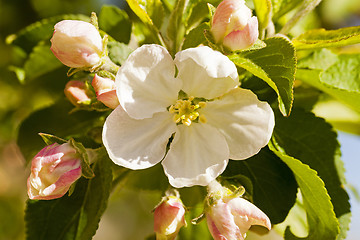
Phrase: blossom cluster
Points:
(187, 112)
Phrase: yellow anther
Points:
(185, 111)
(202, 119)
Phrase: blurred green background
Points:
(18, 100)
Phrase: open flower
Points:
(77, 43)
(53, 170)
(234, 26)
(211, 118)
(229, 216)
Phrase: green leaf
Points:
(270, 178)
(56, 120)
(275, 64)
(320, 215)
(263, 10)
(86, 170)
(196, 36)
(176, 28)
(321, 38)
(74, 217)
(317, 147)
(281, 7)
(118, 52)
(156, 11)
(305, 8)
(41, 61)
(115, 22)
(29, 37)
(338, 76)
(197, 13)
(141, 11)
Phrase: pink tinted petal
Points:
(230, 15)
(254, 216)
(222, 222)
(242, 39)
(109, 99)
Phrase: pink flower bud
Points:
(105, 91)
(169, 218)
(230, 219)
(76, 43)
(233, 25)
(53, 170)
(78, 93)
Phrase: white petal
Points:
(137, 144)
(205, 73)
(197, 155)
(246, 122)
(145, 83)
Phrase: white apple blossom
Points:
(209, 117)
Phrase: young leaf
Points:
(115, 22)
(321, 217)
(275, 64)
(118, 52)
(176, 28)
(321, 38)
(196, 36)
(338, 76)
(41, 61)
(74, 217)
(141, 12)
(270, 178)
(263, 11)
(316, 147)
(281, 7)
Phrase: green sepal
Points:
(86, 170)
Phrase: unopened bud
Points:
(105, 91)
(233, 25)
(53, 170)
(78, 93)
(169, 218)
(77, 43)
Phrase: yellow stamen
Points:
(186, 111)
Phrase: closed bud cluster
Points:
(53, 170)
(169, 217)
(77, 44)
(234, 26)
(105, 91)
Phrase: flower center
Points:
(186, 111)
